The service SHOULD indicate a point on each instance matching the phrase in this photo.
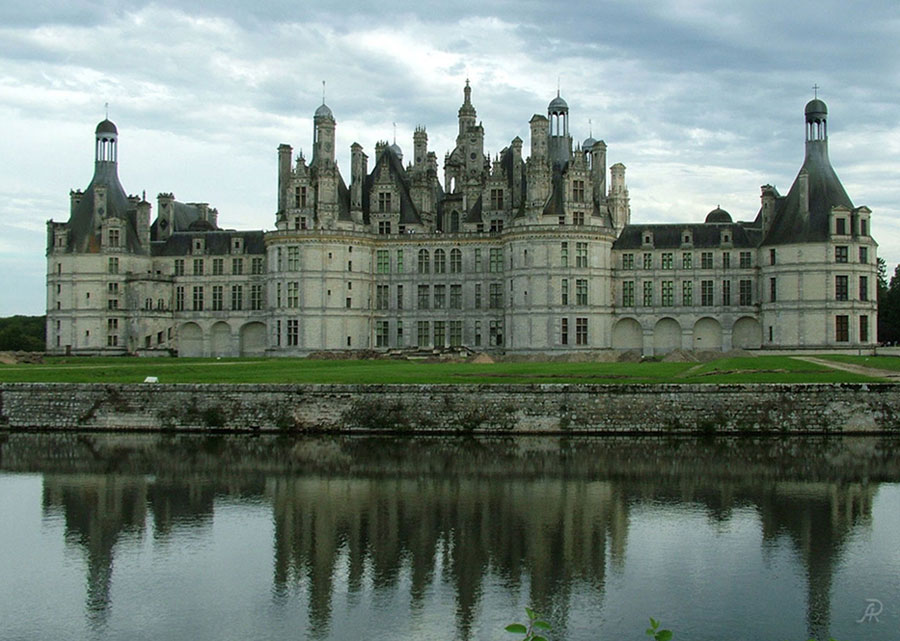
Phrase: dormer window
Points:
(113, 237)
(687, 237)
(384, 201)
(647, 237)
(863, 227)
(237, 244)
(840, 225)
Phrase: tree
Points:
(22, 333)
(888, 304)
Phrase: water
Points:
(235, 537)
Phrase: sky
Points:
(701, 100)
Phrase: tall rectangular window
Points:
(198, 267)
(237, 297)
(773, 290)
(495, 329)
(237, 266)
(667, 260)
(383, 261)
(198, 298)
(628, 293)
(581, 291)
(496, 199)
(564, 331)
(627, 261)
(772, 257)
(256, 297)
(382, 331)
(581, 254)
(384, 227)
(456, 333)
(440, 296)
(746, 292)
(496, 261)
(423, 334)
(384, 201)
(746, 260)
(706, 260)
(581, 331)
(726, 260)
(863, 288)
(399, 296)
(477, 334)
(841, 254)
(382, 295)
(293, 333)
(113, 265)
(564, 292)
(578, 191)
(648, 293)
(648, 261)
(440, 333)
(293, 258)
(456, 296)
(840, 226)
(496, 295)
(218, 266)
(726, 292)
(478, 266)
(687, 293)
(842, 329)
(477, 295)
(440, 261)
(564, 254)
(179, 267)
(863, 329)
(424, 296)
(667, 293)
(864, 254)
(706, 293)
(113, 237)
(179, 299)
(841, 287)
(217, 297)
(687, 260)
(293, 294)
(399, 261)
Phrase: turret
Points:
(598, 170)
(420, 148)
(358, 171)
(560, 141)
(539, 133)
(467, 113)
(767, 197)
(323, 136)
(143, 224)
(618, 201)
(165, 206)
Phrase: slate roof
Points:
(217, 243)
(84, 230)
(790, 225)
(409, 215)
(669, 236)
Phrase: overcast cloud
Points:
(702, 101)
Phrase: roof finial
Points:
(816, 91)
(323, 92)
(590, 128)
(106, 106)
(395, 133)
(557, 86)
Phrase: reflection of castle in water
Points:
(552, 533)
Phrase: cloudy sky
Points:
(701, 100)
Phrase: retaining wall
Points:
(517, 408)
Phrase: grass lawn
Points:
(878, 362)
(763, 369)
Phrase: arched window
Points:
(440, 261)
(424, 262)
(455, 261)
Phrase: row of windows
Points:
(842, 254)
(667, 260)
(842, 329)
(427, 333)
(198, 299)
(257, 266)
(706, 293)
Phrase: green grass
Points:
(763, 369)
(879, 362)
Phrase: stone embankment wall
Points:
(461, 408)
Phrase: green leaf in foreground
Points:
(516, 628)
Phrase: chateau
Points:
(502, 252)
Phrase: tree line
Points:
(22, 333)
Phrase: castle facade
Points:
(535, 254)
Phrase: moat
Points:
(129, 536)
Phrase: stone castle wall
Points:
(461, 408)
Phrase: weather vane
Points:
(323, 92)
(106, 106)
(815, 91)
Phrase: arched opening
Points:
(666, 336)
(707, 334)
(627, 334)
(253, 339)
(746, 333)
(190, 340)
(220, 339)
